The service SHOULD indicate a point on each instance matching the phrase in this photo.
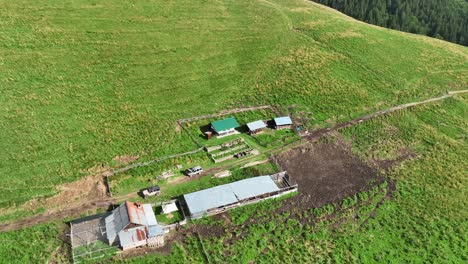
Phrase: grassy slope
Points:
(425, 220)
(78, 90)
(38, 244)
(84, 82)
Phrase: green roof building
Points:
(225, 127)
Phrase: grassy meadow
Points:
(40, 244)
(422, 221)
(83, 82)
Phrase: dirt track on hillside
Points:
(73, 211)
(316, 134)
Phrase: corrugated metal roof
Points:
(282, 121)
(149, 214)
(156, 230)
(210, 198)
(256, 125)
(128, 213)
(224, 124)
(136, 213)
(201, 201)
(254, 186)
(116, 221)
(132, 236)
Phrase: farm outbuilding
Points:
(132, 225)
(283, 122)
(169, 207)
(256, 126)
(221, 198)
(225, 127)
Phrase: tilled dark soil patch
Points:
(325, 173)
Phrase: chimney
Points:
(208, 134)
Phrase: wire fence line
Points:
(223, 113)
(203, 248)
(180, 122)
(143, 164)
(326, 131)
(315, 134)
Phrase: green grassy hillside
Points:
(84, 81)
(422, 221)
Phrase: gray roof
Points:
(254, 186)
(156, 230)
(259, 124)
(149, 215)
(125, 214)
(201, 201)
(116, 221)
(282, 121)
(210, 198)
(132, 236)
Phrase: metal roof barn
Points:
(256, 125)
(133, 237)
(156, 230)
(283, 121)
(225, 124)
(129, 214)
(200, 202)
(116, 221)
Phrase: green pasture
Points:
(84, 81)
(423, 220)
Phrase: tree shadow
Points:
(270, 124)
(203, 129)
(243, 129)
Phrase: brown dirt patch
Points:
(326, 173)
(89, 188)
(125, 159)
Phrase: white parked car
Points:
(194, 171)
(151, 191)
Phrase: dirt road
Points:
(75, 210)
(326, 131)
(105, 203)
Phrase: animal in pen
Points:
(243, 153)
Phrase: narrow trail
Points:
(77, 209)
(72, 211)
(316, 134)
